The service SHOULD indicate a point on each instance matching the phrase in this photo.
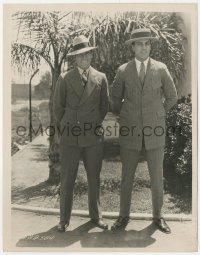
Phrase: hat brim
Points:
(76, 52)
(141, 38)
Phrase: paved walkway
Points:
(31, 230)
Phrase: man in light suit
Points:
(80, 105)
(143, 91)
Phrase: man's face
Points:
(83, 60)
(142, 49)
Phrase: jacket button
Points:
(78, 122)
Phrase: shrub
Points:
(178, 152)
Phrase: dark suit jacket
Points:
(143, 109)
(79, 111)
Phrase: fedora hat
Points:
(139, 34)
(80, 45)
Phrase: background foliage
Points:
(178, 154)
(111, 34)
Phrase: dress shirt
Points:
(138, 64)
(81, 70)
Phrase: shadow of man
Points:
(119, 239)
(87, 236)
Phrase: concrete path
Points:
(30, 231)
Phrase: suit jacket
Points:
(80, 110)
(142, 110)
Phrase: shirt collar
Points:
(138, 63)
(81, 70)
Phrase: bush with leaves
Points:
(178, 152)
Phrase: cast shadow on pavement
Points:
(84, 238)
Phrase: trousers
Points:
(130, 160)
(92, 159)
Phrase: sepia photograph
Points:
(100, 127)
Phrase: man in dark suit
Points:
(80, 105)
(143, 91)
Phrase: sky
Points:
(23, 78)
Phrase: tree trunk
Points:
(54, 159)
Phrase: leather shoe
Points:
(162, 225)
(120, 223)
(99, 223)
(62, 227)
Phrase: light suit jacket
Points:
(142, 110)
(80, 110)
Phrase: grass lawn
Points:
(141, 195)
(43, 195)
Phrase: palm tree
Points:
(45, 36)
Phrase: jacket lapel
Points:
(149, 74)
(77, 83)
(90, 86)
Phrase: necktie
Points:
(84, 77)
(142, 73)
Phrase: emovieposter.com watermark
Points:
(108, 131)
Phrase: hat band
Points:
(81, 46)
(141, 34)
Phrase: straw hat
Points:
(80, 45)
(140, 34)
